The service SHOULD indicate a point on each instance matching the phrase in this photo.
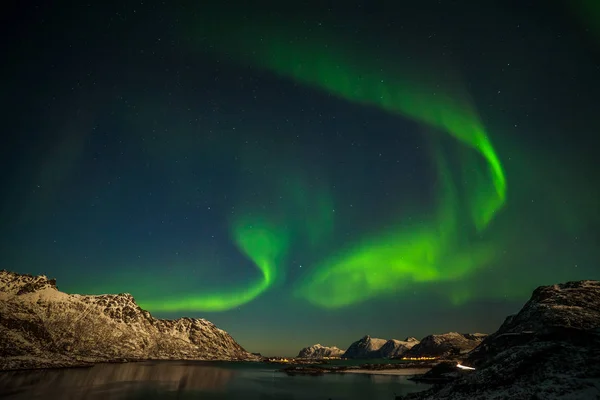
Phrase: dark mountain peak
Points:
(552, 311)
(550, 350)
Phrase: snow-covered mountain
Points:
(549, 350)
(319, 351)
(447, 344)
(366, 347)
(43, 327)
(397, 348)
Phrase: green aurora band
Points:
(260, 242)
(434, 249)
(304, 212)
(320, 61)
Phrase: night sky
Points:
(304, 172)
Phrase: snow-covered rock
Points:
(549, 350)
(445, 345)
(43, 327)
(397, 348)
(319, 351)
(366, 347)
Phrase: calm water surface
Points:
(197, 380)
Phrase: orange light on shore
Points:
(419, 358)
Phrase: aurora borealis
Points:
(302, 174)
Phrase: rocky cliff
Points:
(549, 350)
(43, 327)
(319, 351)
(445, 345)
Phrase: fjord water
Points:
(197, 380)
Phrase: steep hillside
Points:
(43, 327)
(549, 350)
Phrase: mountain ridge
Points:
(445, 344)
(366, 347)
(317, 351)
(435, 346)
(41, 326)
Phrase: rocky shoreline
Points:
(317, 370)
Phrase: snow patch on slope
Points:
(41, 326)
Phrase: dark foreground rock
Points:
(41, 327)
(549, 350)
(443, 372)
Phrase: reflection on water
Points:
(181, 380)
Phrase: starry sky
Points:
(304, 172)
